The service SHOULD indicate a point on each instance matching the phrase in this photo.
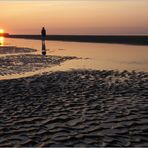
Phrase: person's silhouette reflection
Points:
(43, 32)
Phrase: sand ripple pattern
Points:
(19, 64)
(15, 50)
(76, 108)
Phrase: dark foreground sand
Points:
(76, 108)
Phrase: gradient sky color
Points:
(98, 17)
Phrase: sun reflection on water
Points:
(1, 41)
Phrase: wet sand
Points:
(19, 64)
(19, 61)
(14, 49)
(85, 108)
(75, 108)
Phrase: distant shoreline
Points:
(133, 40)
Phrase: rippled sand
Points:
(14, 49)
(19, 64)
(76, 108)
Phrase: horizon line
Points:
(85, 34)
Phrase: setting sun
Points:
(1, 31)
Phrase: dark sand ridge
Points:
(124, 39)
(19, 64)
(14, 49)
(77, 108)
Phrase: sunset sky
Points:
(99, 17)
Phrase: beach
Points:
(74, 73)
(76, 108)
(81, 107)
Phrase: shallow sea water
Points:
(98, 56)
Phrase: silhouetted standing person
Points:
(43, 33)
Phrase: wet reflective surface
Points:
(101, 56)
(93, 55)
(1, 40)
